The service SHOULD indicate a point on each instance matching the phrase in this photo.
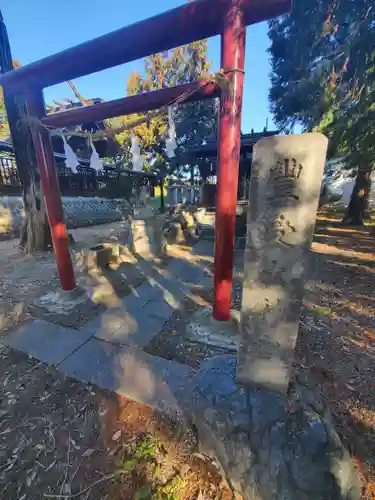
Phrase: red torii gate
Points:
(185, 24)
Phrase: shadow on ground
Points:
(336, 342)
(59, 437)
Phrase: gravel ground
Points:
(63, 439)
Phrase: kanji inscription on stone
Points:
(286, 176)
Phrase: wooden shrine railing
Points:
(111, 182)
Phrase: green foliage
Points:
(4, 127)
(144, 493)
(171, 490)
(195, 122)
(108, 160)
(323, 74)
(147, 449)
(148, 452)
(128, 465)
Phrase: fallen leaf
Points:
(10, 466)
(114, 450)
(184, 470)
(30, 478)
(370, 335)
(364, 345)
(116, 436)
(370, 490)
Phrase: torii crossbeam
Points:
(185, 24)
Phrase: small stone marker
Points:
(95, 257)
(146, 233)
(285, 185)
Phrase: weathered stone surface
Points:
(62, 302)
(266, 451)
(93, 258)
(186, 219)
(141, 315)
(46, 341)
(146, 236)
(130, 372)
(284, 192)
(199, 215)
(204, 328)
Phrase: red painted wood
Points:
(185, 24)
(51, 190)
(233, 58)
(134, 104)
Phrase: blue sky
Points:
(43, 27)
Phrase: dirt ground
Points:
(336, 341)
(25, 278)
(59, 437)
(62, 439)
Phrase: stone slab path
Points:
(108, 351)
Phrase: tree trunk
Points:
(358, 208)
(35, 233)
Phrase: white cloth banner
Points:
(170, 143)
(95, 162)
(70, 157)
(137, 158)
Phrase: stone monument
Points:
(273, 445)
(146, 233)
(286, 176)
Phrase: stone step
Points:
(142, 314)
(130, 372)
(46, 341)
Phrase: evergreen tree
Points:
(4, 125)
(323, 77)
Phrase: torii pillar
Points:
(229, 144)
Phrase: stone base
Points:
(103, 255)
(146, 237)
(94, 258)
(268, 448)
(204, 328)
(61, 302)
